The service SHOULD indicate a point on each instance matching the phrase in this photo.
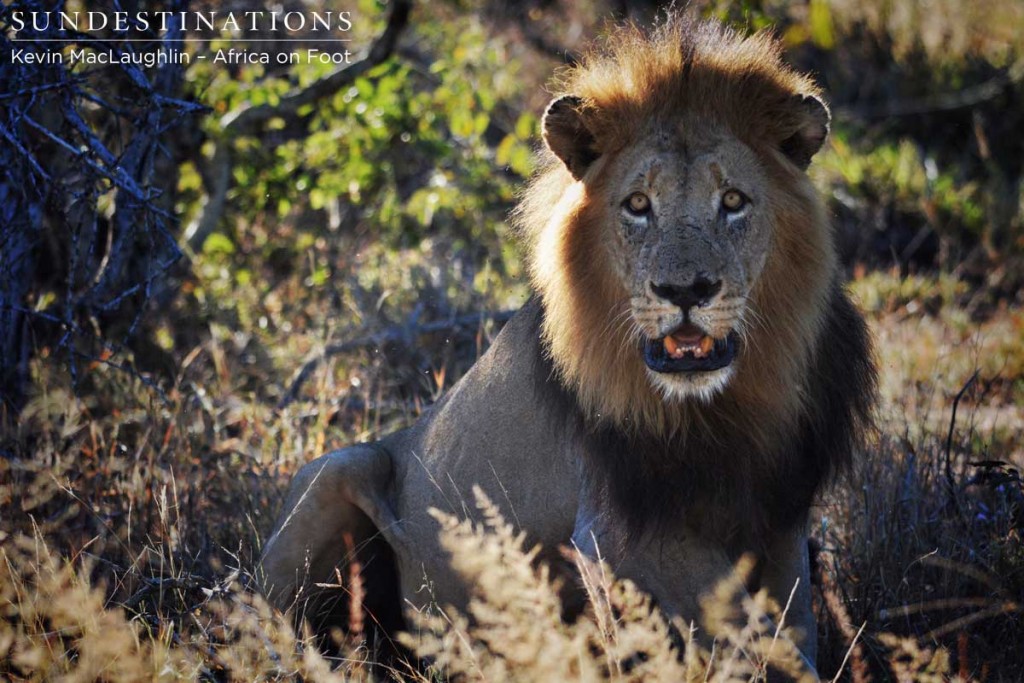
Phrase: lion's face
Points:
(687, 232)
(682, 254)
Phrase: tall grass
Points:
(130, 518)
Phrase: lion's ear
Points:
(812, 121)
(566, 134)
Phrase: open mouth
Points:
(689, 349)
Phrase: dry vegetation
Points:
(130, 519)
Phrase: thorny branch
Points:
(56, 161)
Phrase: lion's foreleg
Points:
(786, 572)
(681, 570)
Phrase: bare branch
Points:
(217, 181)
(137, 160)
(43, 175)
(115, 174)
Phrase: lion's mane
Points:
(803, 387)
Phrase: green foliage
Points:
(752, 15)
(419, 156)
(408, 150)
(820, 26)
(926, 104)
(218, 244)
(896, 175)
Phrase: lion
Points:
(686, 377)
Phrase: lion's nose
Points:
(697, 293)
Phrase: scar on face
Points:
(717, 174)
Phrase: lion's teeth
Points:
(676, 349)
(672, 347)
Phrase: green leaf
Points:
(822, 29)
(480, 123)
(218, 243)
(525, 126)
(462, 123)
(317, 198)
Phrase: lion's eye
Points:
(638, 203)
(733, 200)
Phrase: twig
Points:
(391, 335)
(949, 437)
(36, 89)
(852, 650)
(961, 623)
(150, 584)
(115, 175)
(24, 153)
(932, 605)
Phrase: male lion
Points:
(687, 376)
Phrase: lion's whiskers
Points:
(750, 309)
(613, 326)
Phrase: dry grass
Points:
(514, 629)
(128, 522)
